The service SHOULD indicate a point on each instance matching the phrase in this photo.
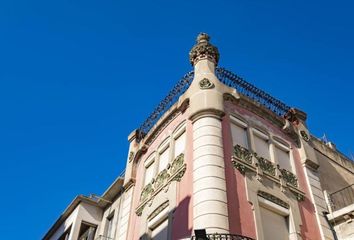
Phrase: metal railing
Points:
(343, 197)
(221, 236)
(232, 80)
(101, 237)
(228, 78)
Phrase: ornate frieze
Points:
(273, 199)
(289, 177)
(243, 154)
(246, 161)
(266, 165)
(173, 172)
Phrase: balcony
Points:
(221, 236)
(342, 198)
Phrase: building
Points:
(220, 155)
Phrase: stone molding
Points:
(203, 50)
(273, 199)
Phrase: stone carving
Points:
(242, 161)
(146, 192)
(203, 49)
(304, 136)
(131, 156)
(206, 84)
(161, 179)
(173, 172)
(288, 177)
(266, 165)
(273, 199)
(242, 154)
(158, 210)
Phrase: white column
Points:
(209, 185)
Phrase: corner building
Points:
(220, 155)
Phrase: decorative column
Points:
(206, 109)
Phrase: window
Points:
(275, 217)
(239, 133)
(109, 227)
(66, 234)
(160, 232)
(283, 158)
(180, 144)
(261, 142)
(275, 225)
(87, 231)
(164, 158)
(149, 173)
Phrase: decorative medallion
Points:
(206, 84)
(203, 49)
(273, 199)
(304, 135)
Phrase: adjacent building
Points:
(222, 159)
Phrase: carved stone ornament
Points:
(243, 154)
(203, 50)
(158, 210)
(288, 177)
(173, 172)
(304, 135)
(206, 84)
(266, 165)
(131, 156)
(273, 199)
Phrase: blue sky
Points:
(76, 77)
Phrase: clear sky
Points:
(76, 77)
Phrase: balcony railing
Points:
(221, 236)
(228, 78)
(101, 237)
(343, 197)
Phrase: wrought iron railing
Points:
(232, 80)
(343, 197)
(181, 86)
(101, 237)
(228, 78)
(221, 236)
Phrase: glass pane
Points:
(180, 144)
(160, 232)
(149, 173)
(262, 147)
(275, 226)
(239, 136)
(283, 158)
(163, 160)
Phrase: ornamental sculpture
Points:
(203, 50)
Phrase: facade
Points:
(220, 155)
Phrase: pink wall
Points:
(183, 214)
(309, 228)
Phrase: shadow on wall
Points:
(175, 226)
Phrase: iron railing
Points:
(343, 197)
(232, 80)
(223, 236)
(181, 86)
(101, 237)
(228, 78)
